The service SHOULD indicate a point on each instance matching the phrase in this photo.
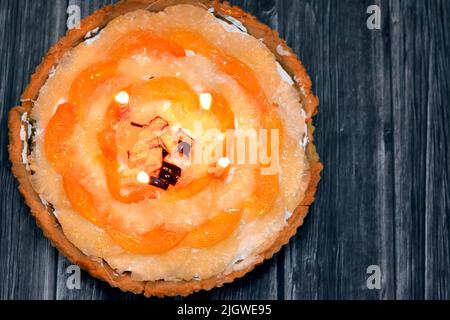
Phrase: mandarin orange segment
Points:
(214, 231)
(156, 241)
(263, 198)
(221, 109)
(267, 186)
(114, 113)
(87, 82)
(106, 140)
(59, 129)
(146, 41)
(81, 200)
(107, 137)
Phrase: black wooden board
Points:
(383, 133)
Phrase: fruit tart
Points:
(166, 147)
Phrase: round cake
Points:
(166, 147)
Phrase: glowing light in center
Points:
(122, 97)
(205, 100)
(224, 162)
(143, 177)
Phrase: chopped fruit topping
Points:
(139, 154)
(134, 124)
(184, 148)
(170, 173)
(154, 160)
(184, 136)
(214, 231)
(167, 142)
(147, 135)
(159, 183)
(130, 172)
(158, 124)
(154, 144)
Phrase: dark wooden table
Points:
(383, 133)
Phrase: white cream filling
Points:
(282, 51)
(284, 75)
(92, 36)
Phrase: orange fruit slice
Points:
(156, 241)
(87, 82)
(81, 200)
(59, 130)
(213, 231)
(221, 109)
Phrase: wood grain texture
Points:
(383, 133)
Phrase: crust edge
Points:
(49, 224)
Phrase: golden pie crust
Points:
(48, 222)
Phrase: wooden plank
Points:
(27, 261)
(437, 193)
(350, 226)
(410, 83)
